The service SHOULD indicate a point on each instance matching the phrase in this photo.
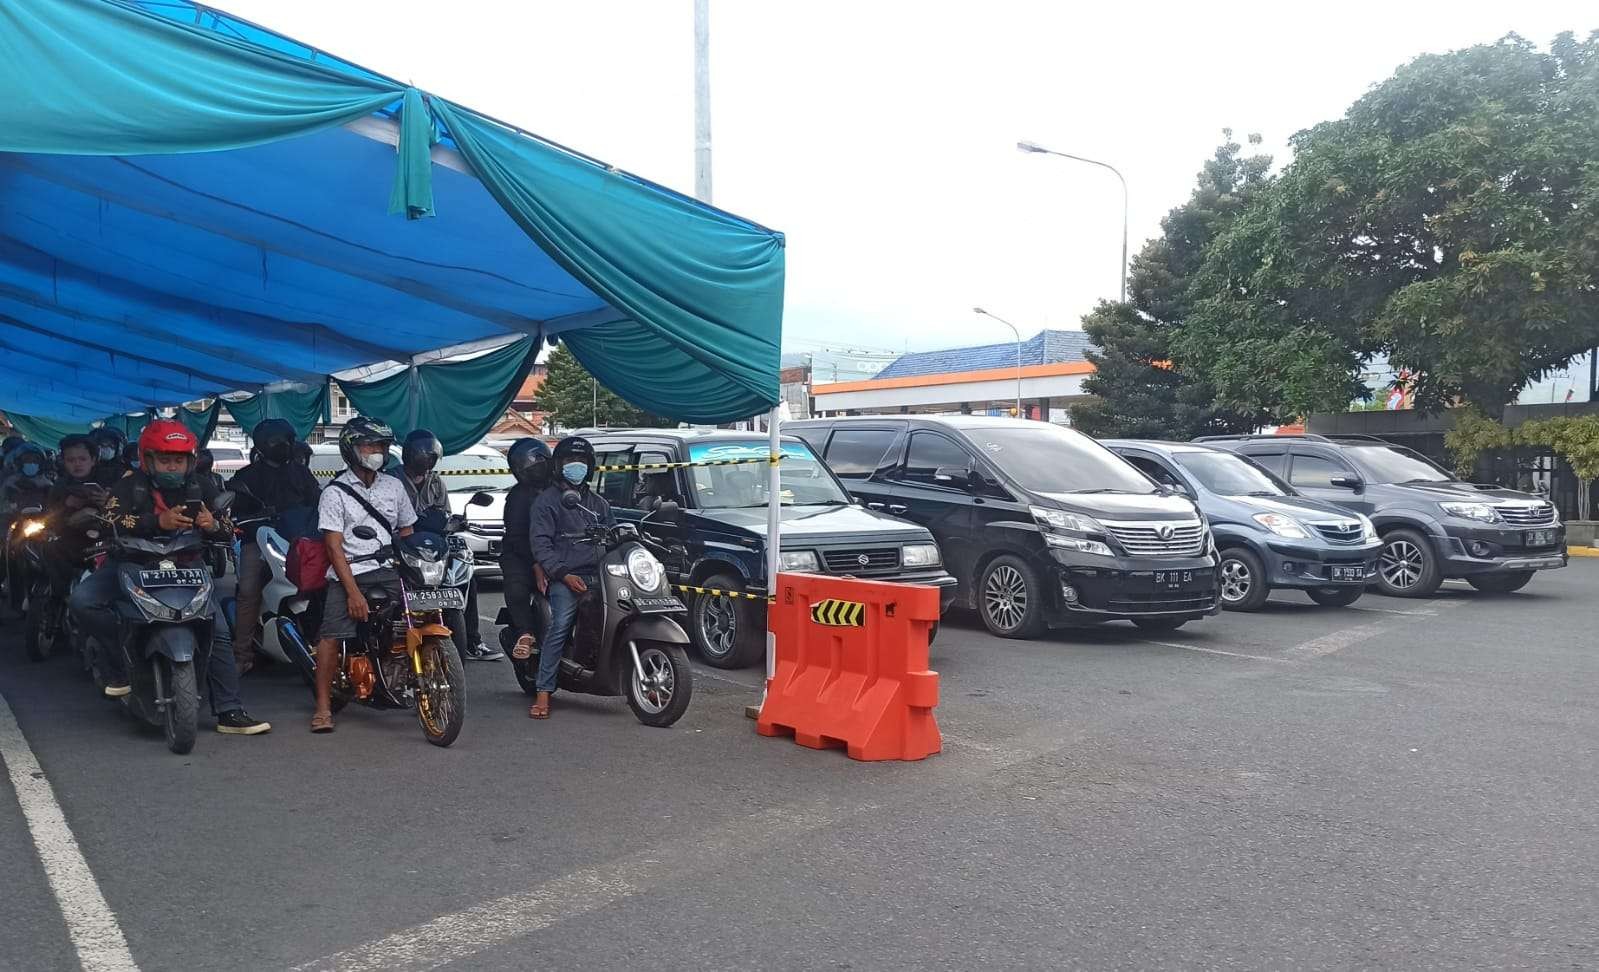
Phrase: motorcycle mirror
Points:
(224, 501)
(569, 499)
(669, 512)
(82, 518)
(364, 532)
(480, 499)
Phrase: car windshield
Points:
(1396, 464)
(1049, 459)
(1230, 474)
(805, 481)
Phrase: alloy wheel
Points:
(1401, 564)
(1005, 597)
(653, 688)
(721, 625)
(1236, 581)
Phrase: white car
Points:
(478, 469)
(227, 456)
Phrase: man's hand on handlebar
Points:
(576, 584)
(205, 520)
(172, 518)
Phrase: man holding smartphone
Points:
(160, 498)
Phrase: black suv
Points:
(1041, 525)
(1433, 526)
(721, 542)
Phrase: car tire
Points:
(727, 631)
(1160, 623)
(1244, 575)
(1010, 598)
(1501, 583)
(1407, 565)
(1335, 596)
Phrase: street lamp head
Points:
(978, 310)
(1031, 147)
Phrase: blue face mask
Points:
(30, 469)
(575, 472)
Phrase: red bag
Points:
(307, 564)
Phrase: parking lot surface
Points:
(1401, 784)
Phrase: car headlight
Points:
(801, 560)
(644, 569)
(1369, 529)
(1080, 544)
(1283, 526)
(1062, 520)
(32, 528)
(919, 555)
(1481, 512)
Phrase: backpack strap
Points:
(372, 510)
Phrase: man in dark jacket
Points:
(569, 564)
(272, 482)
(529, 462)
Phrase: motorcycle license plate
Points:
(172, 577)
(1348, 574)
(1180, 580)
(658, 605)
(435, 599)
(1540, 538)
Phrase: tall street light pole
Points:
(1037, 149)
(702, 100)
(979, 310)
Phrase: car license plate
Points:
(1540, 538)
(173, 577)
(435, 599)
(1177, 580)
(658, 605)
(1348, 573)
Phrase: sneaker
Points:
(240, 723)
(482, 652)
(117, 688)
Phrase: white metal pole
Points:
(702, 100)
(774, 527)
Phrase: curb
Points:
(1583, 551)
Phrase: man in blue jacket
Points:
(570, 565)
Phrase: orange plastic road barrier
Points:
(851, 667)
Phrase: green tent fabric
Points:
(202, 93)
(49, 432)
(44, 431)
(302, 406)
(202, 423)
(702, 289)
(458, 401)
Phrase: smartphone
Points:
(191, 509)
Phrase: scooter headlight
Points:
(431, 572)
(32, 528)
(646, 572)
(148, 603)
(198, 603)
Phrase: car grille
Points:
(1161, 603)
(1351, 532)
(878, 560)
(1144, 539)
(1528, 514)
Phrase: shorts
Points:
(336, 621)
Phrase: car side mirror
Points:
(1347, 482)
(954, 476)
(364, 532)
(480, 499)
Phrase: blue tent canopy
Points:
(161, 241)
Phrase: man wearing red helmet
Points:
(154, 500)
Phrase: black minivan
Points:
(1041, 525)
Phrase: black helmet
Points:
(303, 452)
(529, 460)
(421, 451)
(361, 431)
(274, 437)
(108, 443)
(204, 461)
(573, 448)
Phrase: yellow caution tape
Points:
(691, 589)
(663, 466)
(839, 614)
(330, 473)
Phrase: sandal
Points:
(540, 709)
(524, 648)
(322, 722)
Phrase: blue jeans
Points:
(563, 615)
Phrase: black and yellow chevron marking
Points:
(330, 473)
(839, 614)
(663, 466)
(742, 595)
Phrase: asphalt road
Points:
(1405, 784)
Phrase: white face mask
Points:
(372, 460)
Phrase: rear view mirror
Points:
(569, 499)
(668, 512)
(480, 499)
(1346, 482)
(364, 532)
(224, 501)
(82, 518)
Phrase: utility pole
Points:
(702, 100)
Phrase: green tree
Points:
(1474, 434)
(1449, 221)
(568, 396)
(1574, 438)
(1141, 392)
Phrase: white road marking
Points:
(1378, 610)
(90, 922)
(1330, 644)
(454, 936)
(720, 676)
(1212, 651)
(490, 620)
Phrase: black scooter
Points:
(625, 641)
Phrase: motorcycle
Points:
(164, 622)
(31, 533)
(625, 640)
(403, 655)
(287, 622)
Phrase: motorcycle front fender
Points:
(655, 628)
(177, 642)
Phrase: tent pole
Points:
(774, 524)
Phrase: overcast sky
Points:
(880, 136)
